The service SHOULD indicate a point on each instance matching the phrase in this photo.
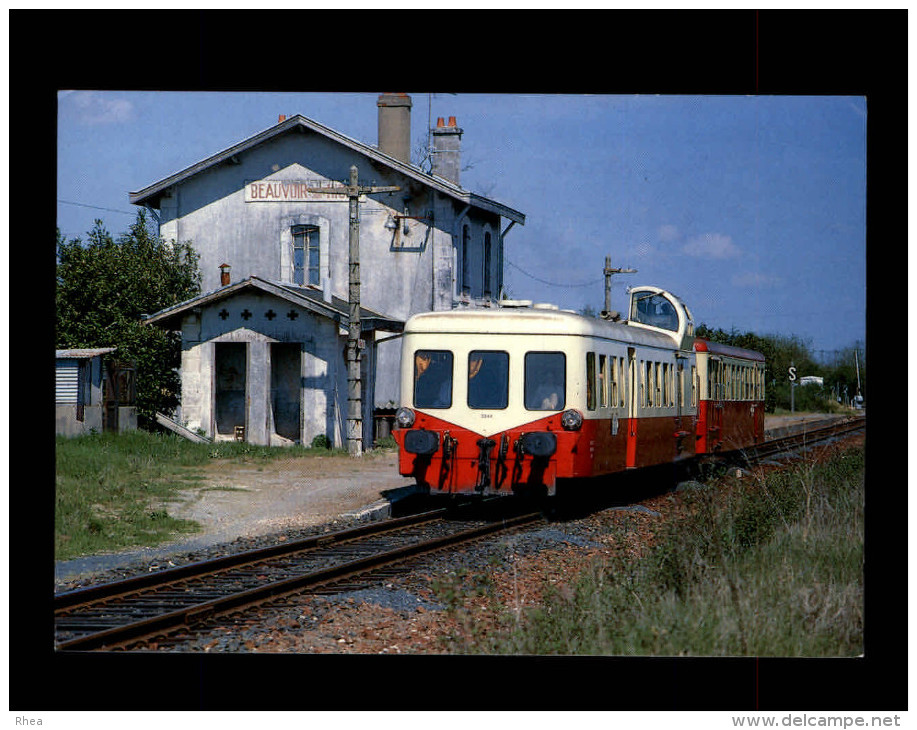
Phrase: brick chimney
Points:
(395, 126)
(447, 150)
(224, 274)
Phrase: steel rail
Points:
(191, 614)
(95, 593)
(806, 438)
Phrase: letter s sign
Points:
(792, 373)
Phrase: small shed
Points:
(93, 392)
(265, 362)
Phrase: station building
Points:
(263, 345)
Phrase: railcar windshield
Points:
(654, 310)
(432, 379)
(545, 381)
(488, 379)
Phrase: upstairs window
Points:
(466, 261)
(488, 266)
(306, 256)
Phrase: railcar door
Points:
(631, 409)
(681, 432)
(717, 394)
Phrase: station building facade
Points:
(266, 220)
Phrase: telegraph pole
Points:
(608, 271)
(353, 191)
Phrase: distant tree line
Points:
(104, 288)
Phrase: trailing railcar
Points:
(731, 406)
(511, 400)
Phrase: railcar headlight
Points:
(571, 420)
(404, 417)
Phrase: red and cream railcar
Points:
(731, 406)
(514, 399)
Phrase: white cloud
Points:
(711, 245)
(667, 233)
(93, 107)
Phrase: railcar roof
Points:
(716, 348)
(531, 321)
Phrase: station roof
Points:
(309, 298)
(151, 194)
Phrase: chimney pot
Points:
(447, 146)
(281, 118)
(224, 274)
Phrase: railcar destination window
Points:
(488, 379)
(545, 381)
(432, 379)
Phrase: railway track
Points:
(113, 615)
(110, 615)
(804, 439)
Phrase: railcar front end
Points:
(485, 407)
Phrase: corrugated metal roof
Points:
(150, 194)
(81, 353)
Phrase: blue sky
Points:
(752, 209)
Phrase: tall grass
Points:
(767, 566)
(113, 490)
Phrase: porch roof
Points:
(307, 297)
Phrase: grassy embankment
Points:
(762, 566)
(113, 490)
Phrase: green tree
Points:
(105, 287)
(780, 351)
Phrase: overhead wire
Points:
(592, 282)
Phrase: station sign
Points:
(294, 191)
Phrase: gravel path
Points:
(249, 504)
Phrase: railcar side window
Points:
(590, 381)
(488, 379)
(646, 396)
(433, 379)
(620, 390)
(545, 381)
(663, 376)
(613, 385)
(603, 380)
(657, 399)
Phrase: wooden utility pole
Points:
(608, 271)
(353, 191)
